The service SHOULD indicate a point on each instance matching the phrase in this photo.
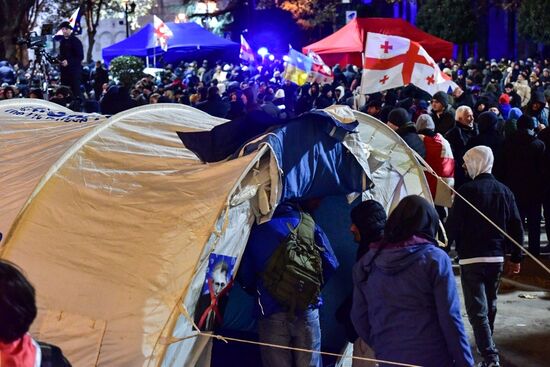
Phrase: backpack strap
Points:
(306, 227)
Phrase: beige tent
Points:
(113, 220)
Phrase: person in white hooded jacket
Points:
(481, 247)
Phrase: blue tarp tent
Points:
(190, 42)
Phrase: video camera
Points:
(33, 40)
(38, 44)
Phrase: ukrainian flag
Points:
(297, 67)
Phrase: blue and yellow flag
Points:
(297, 67)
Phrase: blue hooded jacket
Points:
(263, 241)
(409, 311)
(405, 301)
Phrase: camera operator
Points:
(71, 54)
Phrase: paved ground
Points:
(522, 326)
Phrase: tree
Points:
(452, 20)
(127, 69)
(533, 20)
(307, 13)
(14, 22)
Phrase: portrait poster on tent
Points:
(213, 299)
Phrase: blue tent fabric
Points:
(190, 42)
(315, 163)
(308, 149)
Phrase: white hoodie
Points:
(479, 160)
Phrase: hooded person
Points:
(439, 157)
(481, 248)
(524, 152)
(510, 125)
(399, 120)
(489, 133)
(417, 322)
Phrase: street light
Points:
(129, 8)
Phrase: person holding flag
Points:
(162, 33)
(71, 54)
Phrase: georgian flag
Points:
(162, 32)
(246, 52)
(392, 61)
(320, 72)
(74, 21)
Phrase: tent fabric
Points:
(34, 134)
(346, 45)
(116, 235)
(190, 42)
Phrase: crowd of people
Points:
(488, 138)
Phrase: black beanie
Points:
(370, 218)
(399, 116)
(442, 98)
(526, 123)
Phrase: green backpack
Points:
(294, 274)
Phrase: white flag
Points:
(392, 61)
(162, 32)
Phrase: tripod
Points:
(40, 69)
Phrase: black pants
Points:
(532, 212)
(72, 80)
(480, 284)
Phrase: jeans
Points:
(302, 331)
(480, 284)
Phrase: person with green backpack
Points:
(285, 265)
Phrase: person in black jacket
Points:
(71, 54)
(400, 121)
(442, 113)
(481, 247)
(521, 167)
(458, 137)
(489, 133)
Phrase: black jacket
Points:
(71, 49)
(445, 122)
(458, 138)
(474, 236)
(408, 133)
(520, 166)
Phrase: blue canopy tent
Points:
(190, 42)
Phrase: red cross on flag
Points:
(392, 61)
(246, 52)
(320, 72)
(162, 32)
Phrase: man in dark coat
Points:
(400, 121)
(520, 167)
(442, 113)
(70, 58)
(458, 137)
(481, 248)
